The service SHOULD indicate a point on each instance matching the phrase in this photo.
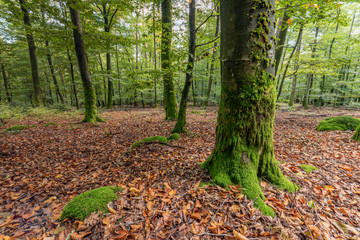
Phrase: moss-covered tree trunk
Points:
(91, 114)
(244, 150)
(181, 120)
(166, 37)
(32, 53)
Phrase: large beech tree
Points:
(244, 150)
(91, 114)
(166, 38)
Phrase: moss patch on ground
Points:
(174, 137)
(94, 200)
(308, 168)
(342, 123)
(16, 128)
(150, 139)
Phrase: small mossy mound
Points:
(94, 200)
(308, 168)
(150, 139)
(16, 128)
(342, 123)
(174, 137)
(51, 124)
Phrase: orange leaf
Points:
(239, 236)
(289, 21)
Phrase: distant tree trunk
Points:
(155, 60)
(91, 114)
(6, 85)
(288, 63)
(62, 79)
(310, 75)
(181, 121)
(296, 69)
(169, 89)
(73, 79)
(244, 149)
(212, 65)
(282, 35)
(32, 53)
(52, 70)
(119, 75)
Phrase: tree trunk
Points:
(32, 54)
(155, 60)
(244, 150)
(118, 73)
(310, 75)
(104, 80)
(282, 35)
(73, 79)
(212, 66)
(91, 114)
(181, 120)
(52, 70)
(288, 63)
(6, 85)
(296, 68)
(169, 89)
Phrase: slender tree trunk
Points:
(310, 75)
(244, 149)
(155, 60)
(32, 53)
(169, 89)
(119, 75)
(282, 35)
(52, 70)
(6, 85)
(62, 79)
(296, 69)
(104, 80)
(73, 79)
(91, 114)
(181, 120)
(212, 65)
(288, 63)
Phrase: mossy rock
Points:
(16, 128)
(342, 123)
(308, 168)
(174, 137)
(94, 200)
(150, 139)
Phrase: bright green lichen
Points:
(95, 200)
(150, 139)
(342, 123)
(308, 168)
(174, 136)
(16, 128)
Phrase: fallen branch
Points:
(163, 143)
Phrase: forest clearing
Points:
(43, 167)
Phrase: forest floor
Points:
(43, 167)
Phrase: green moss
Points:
(308, 168)
(202, 184)
(342, 123)
(16, 128)
(174, 136)
(150, 139)
(95, 200)
(51, 124)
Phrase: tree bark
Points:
(91, 114)
(73, 79)
(155, 60)
(6, 85)
(181, 120)
(166, 37)
(244, 149)
(32, 54)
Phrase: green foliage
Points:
(308, 168)
(95, 200)
(150, 139)
(342, 123)
(174, 137)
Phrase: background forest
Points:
(317, 53)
